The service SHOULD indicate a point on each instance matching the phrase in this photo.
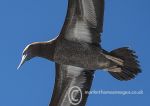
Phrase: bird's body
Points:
(77, 53)
(81, 54)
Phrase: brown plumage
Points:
(77, 52)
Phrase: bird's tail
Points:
(130, 67)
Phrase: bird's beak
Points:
(22, 61)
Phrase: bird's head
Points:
(38, 49)
(28, 53)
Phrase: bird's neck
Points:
(45, 50)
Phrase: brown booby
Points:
(77, 53)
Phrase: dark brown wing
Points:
(84, 20)
(68, 77)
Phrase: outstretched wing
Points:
(67, 78)
(84, 20)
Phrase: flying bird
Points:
(77, 53)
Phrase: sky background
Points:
(127, 23)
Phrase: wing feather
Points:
(69, 76)
(84, 20)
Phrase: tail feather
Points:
(130, 67)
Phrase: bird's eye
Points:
(26, 53)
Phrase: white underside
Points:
(80, 33)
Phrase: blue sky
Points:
(127, 23)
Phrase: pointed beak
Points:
(22, 61)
